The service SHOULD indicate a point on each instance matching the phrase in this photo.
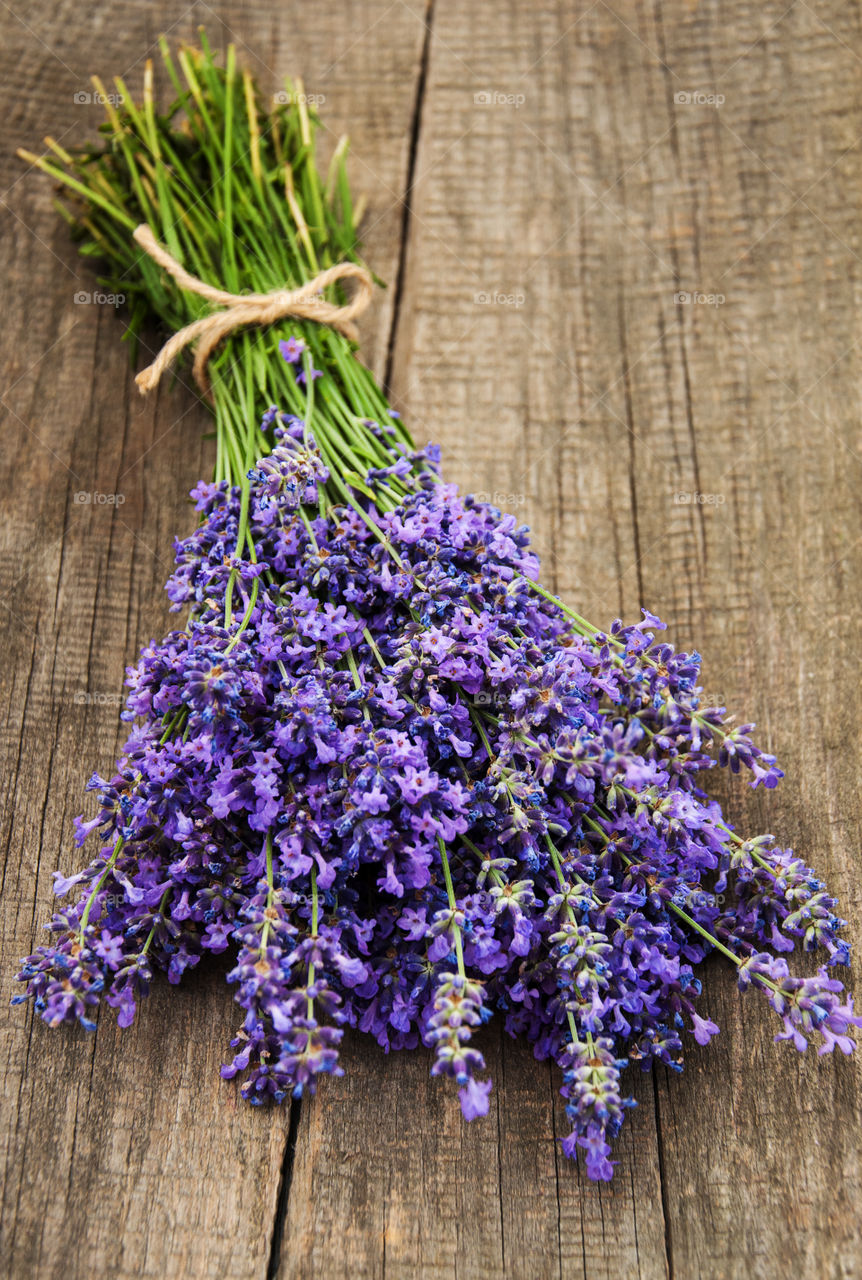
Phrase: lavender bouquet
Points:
(398, 780)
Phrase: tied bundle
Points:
(404, 785)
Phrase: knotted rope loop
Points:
(247, 308)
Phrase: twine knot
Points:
(247, 308)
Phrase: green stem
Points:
(453, 905)
(557, 865)
(314, 925)
(101, 880)
(267, 925)
(158, 916)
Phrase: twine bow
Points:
(247, 308)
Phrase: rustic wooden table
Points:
(622, 242)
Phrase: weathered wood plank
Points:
(591, 397)
(762, 1159)
(125, 1155)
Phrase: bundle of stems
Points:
(232, 189)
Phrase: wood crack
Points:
(407, 202)
(283, 1197)
(668, 1241)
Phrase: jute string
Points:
(247, 308)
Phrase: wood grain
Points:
(545, 181)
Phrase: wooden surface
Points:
(535, 238)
